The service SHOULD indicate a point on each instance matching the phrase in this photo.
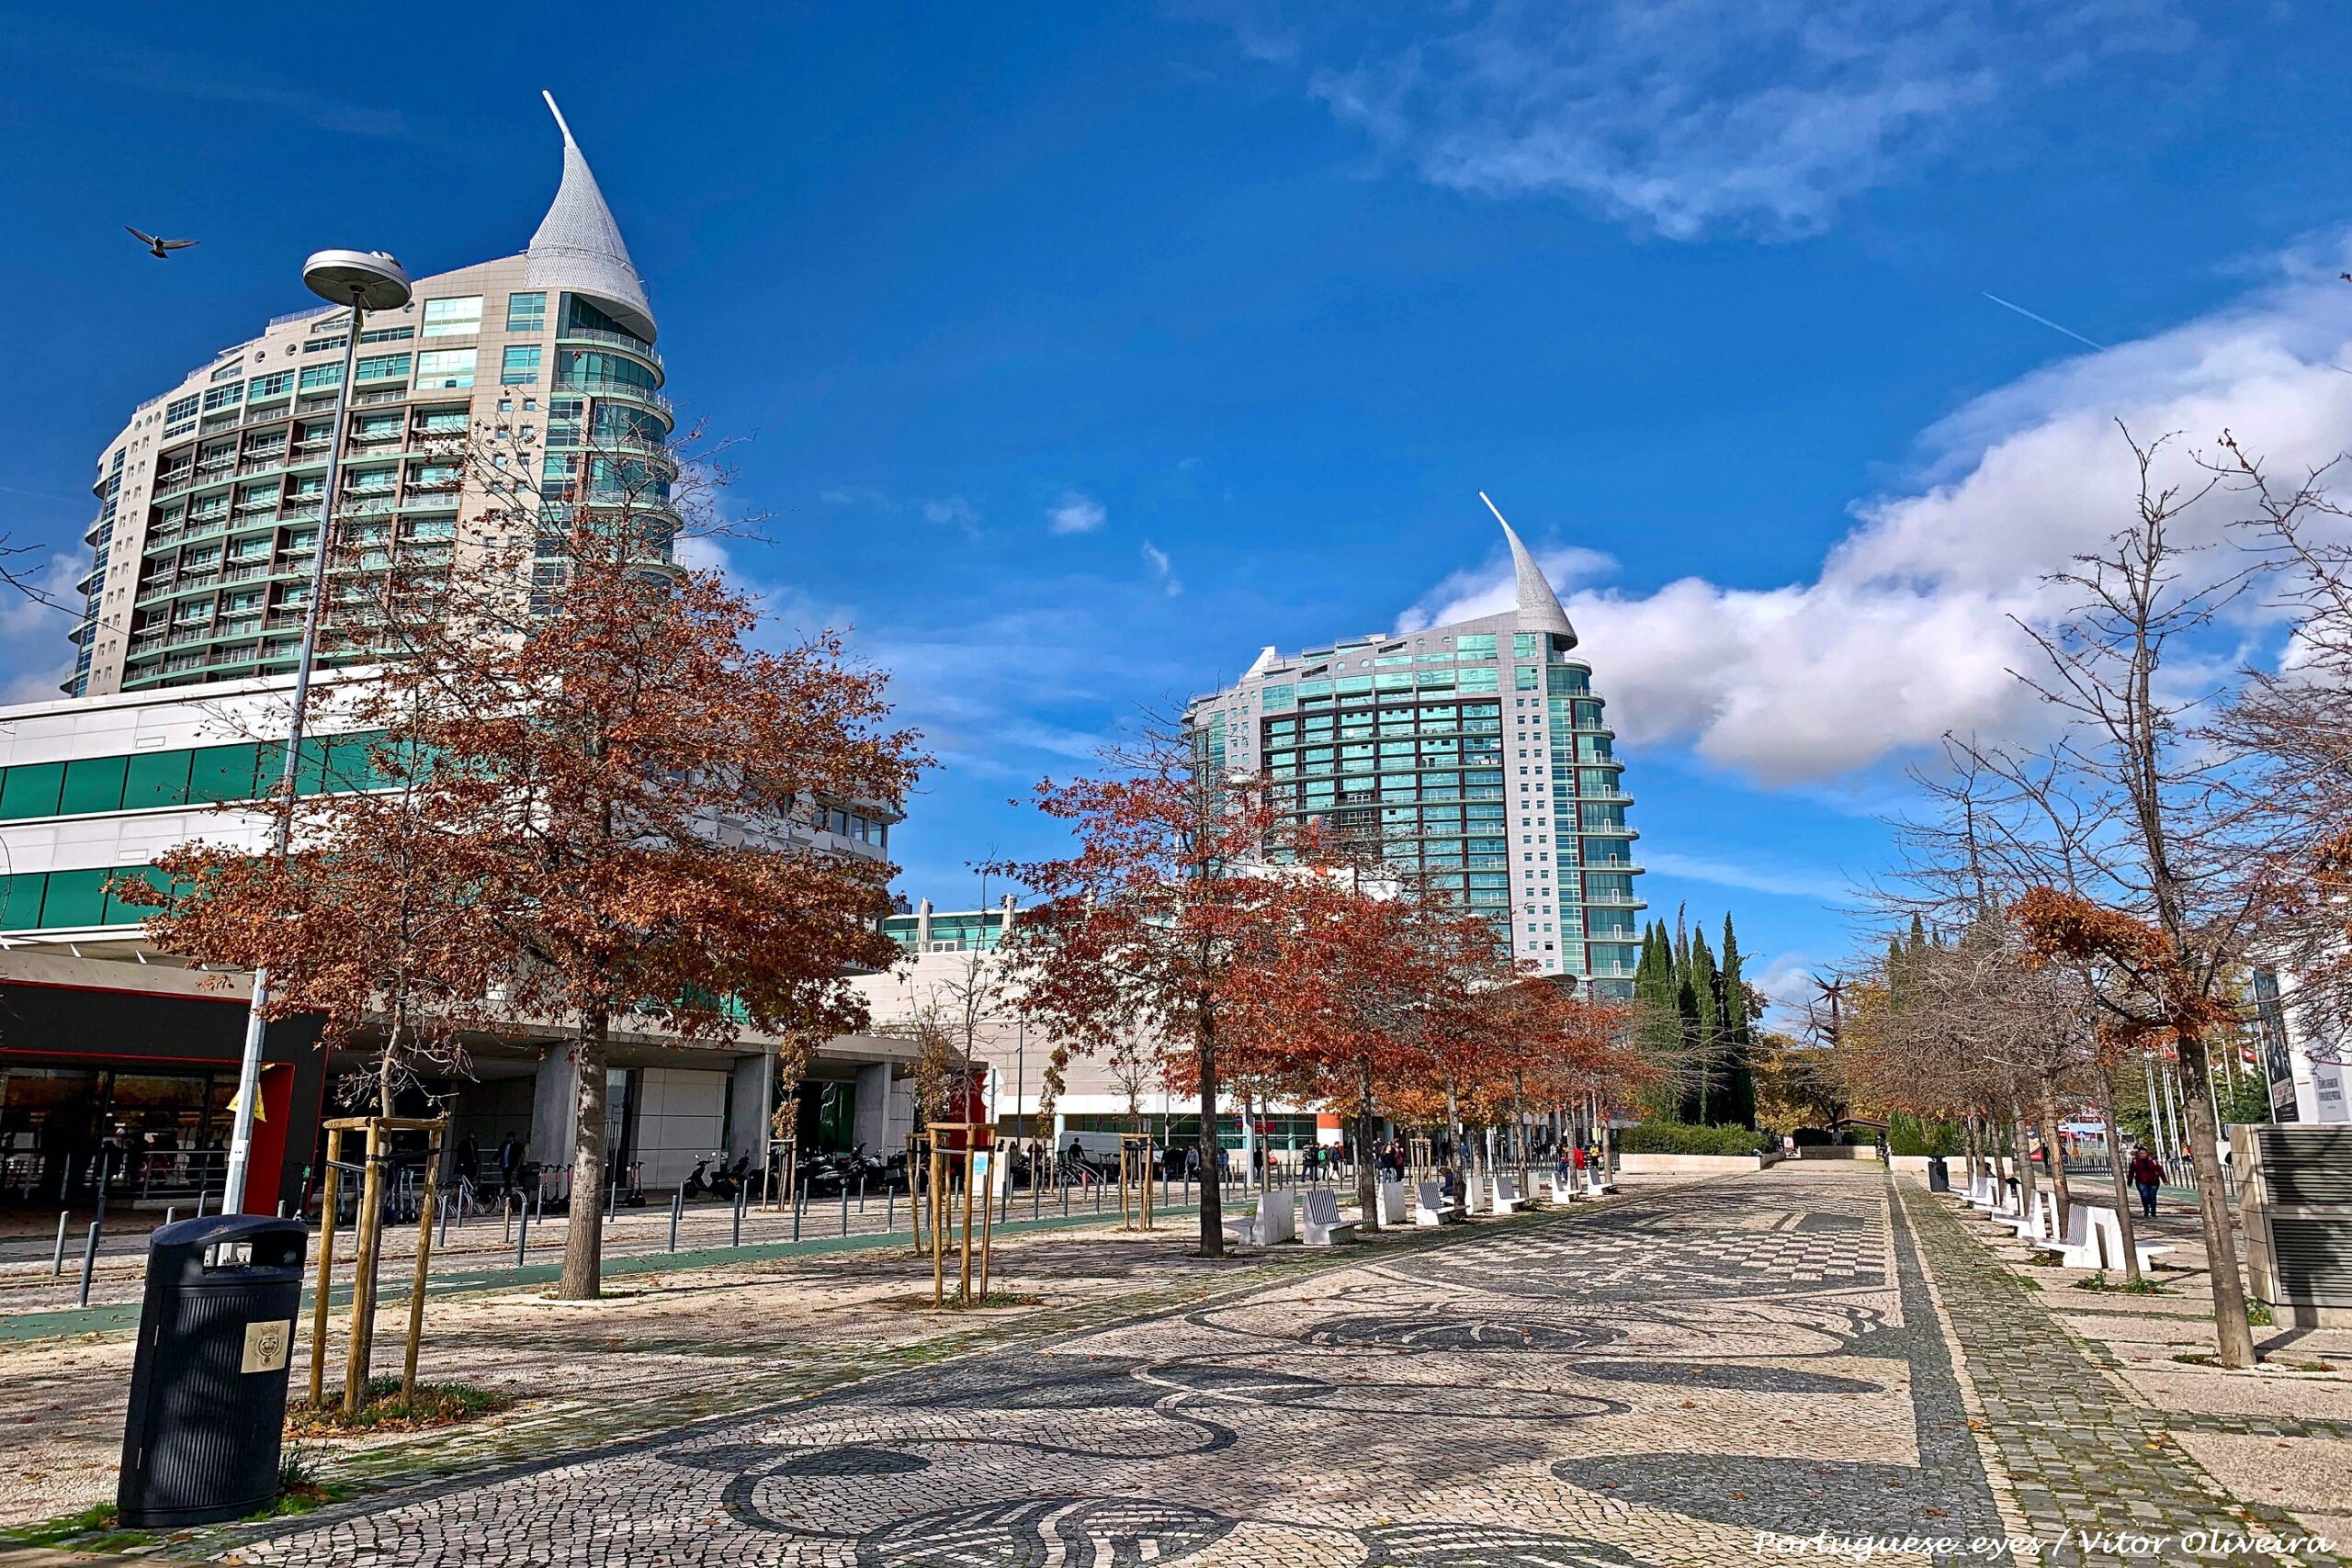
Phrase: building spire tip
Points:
(559, 122)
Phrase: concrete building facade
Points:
(1478, 754)
(516, 387)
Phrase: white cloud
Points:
(953, 511)
(35, 657)
(1786, 981)
(1075, 512)
(1821, 887)
(1686, 117)
(1162, 569)
(1905, 633)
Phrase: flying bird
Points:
(159, 248)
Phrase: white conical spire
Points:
(1538, 608)
(579, 247)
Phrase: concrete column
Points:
(555, 1108)
(750, 1100)
(870, 1118)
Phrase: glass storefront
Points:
(157, 1134)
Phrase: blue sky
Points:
(1074, 351)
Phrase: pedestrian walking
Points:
(2148, 1176)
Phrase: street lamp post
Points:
(365, 281)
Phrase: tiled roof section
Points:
(579, 247)
(1539, 607)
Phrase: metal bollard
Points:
(170, 1214)
(845, 1210)
(677, 1209)
(739, 1196)
(445, 1219)
(1098, 1197)
(89, 1260)
(538, 1198)
(57, 1256)
(799, 1207)
(890, 1211)
(1065, 1200)
(522, 1238)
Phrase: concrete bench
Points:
(2041, 1224)
(1276, 1221)
(1503, 1194)
(1390, 1196)
(1597, 1183)
(1319, 1222)
(2107, 1236)
(1558, 1188)
(1431, 1208)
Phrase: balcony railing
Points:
(601, 387)
(378, 396)
(622, 340)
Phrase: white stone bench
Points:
(1430, 1207)
(1504, 1194)
(1319, 1223)
(1558, 1188)
(1390, 1196)
(2107, 1236)
(2042, 1223)
(1276, 1221)
(2076, 1249)
(1597, 1183)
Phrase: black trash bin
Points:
(207, 1390)
(1939, 1174)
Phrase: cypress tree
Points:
(1736, 1100)
(1705, 983)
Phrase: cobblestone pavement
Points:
(2079, 1452)
(1676, 1378)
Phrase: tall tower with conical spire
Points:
(1476, 752)
(526, 384)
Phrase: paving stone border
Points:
(2080, 1452)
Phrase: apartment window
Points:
(521, 365)
(526, 312)
(179, 409)
(380, 365)
(223, 397)
(388, 335)
(318, 375)
(229, 371)
(453, 317)
(275, 385)
(440, 369)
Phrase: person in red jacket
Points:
(2148, 1175)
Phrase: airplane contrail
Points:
(2045, 321)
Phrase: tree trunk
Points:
(2117, 1173)
(1367, 1173)
(583, 1236)
(2233, 1337)
(2055, 1148)
(1212, 1195)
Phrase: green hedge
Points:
(1681, 1138)
(1909, 1135)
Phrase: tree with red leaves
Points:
(600, 797)
(1164, 925)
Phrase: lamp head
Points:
(368, 279)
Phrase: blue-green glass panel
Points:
(31, 790)
(156, 779)
(74, 899)
(225, 772)
(20, 901)
(92, 783)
